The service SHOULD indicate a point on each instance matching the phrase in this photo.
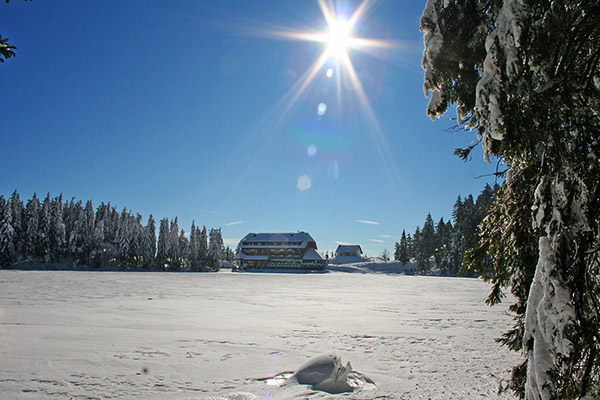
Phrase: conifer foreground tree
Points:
(525, 76)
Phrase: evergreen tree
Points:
(203, 249)
(173, 249)
(484, 200)
(162, 252)
(443, 250)
(410, 245)
(193, 248)
(124, 239)
(403, 255)
(43, 244)
(215, 249)
(76, 241)
(7, 235)
(57, 230)
(427, 242)
(17, 214)
(149, 243)
(184, 250)
(525, 75)
(230, 255)
(32, 218)
(418, 250)
(87, 231)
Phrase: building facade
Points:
(349, 250)
(279, 250)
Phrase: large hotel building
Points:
(279, 250)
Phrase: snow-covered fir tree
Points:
(7, 235)
(17, 213)
(525, 76)
(229, 254)
(184, 248)
(43, 245)
(174, 252)
(203, 249)
(215, 249)
(57, 230)
(32, 220)
(148, 245)
(194, 257)
(54, 231)
(162, 249)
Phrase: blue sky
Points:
(184, 109)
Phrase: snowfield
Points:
(238, 336)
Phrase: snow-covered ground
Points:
(369, 265)
(157, 335)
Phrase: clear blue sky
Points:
(179, 108)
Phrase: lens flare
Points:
(321, 109)
(339, 39)
(304, 182)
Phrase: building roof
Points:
(312, 254)
(349, 248)
(298, 240)
(278, 237)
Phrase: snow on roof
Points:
(312, 254)
(278, 237)
(349, 248)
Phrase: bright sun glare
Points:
(338, 38)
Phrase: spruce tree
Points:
(427, 242)
(44, 230)
(149, 243)
(203, 249)
(403, 252)
(174, 253)
(215, 249)
(57, 230)
(525, 76)
(7, 235)
(162, 250)
(32, 220)
(17, 214)
(184, 250)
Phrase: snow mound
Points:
(347, 259)
(325, 373)
(374, 265)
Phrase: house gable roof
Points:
(349, 248)
(278, 237)
(312, 254)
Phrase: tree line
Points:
(56, 231)
(444, 244)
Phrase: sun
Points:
(338, 39)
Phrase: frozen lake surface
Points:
(136, 335)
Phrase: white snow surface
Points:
(225, 335)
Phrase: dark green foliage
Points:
(401, 252)
(6, 50)
(542, 78)
(446, 243)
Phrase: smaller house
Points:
(349, 250)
